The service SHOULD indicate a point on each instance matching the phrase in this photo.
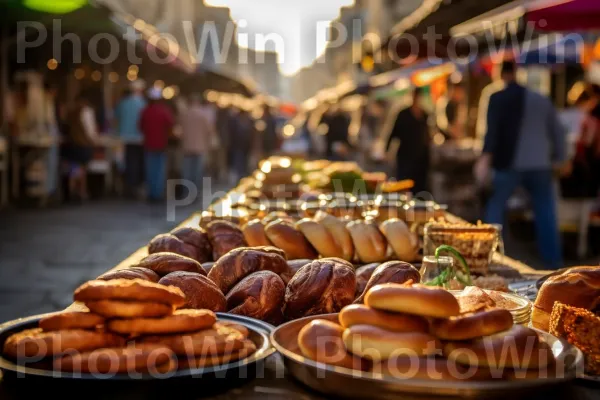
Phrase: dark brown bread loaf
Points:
(363, 274)
(239, 263)
(259, 296)
(167, 243)
(224, 237)
(131, 273)
(295, 266)
(197, 238)
(321, 287)
(200, 292)
(165, 263)
(391, 272)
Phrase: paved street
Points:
(45, 254)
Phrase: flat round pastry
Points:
(165, 263)
(195, 362)
(359, 314)
(321, 341)
(71, 320)
(131, 273)
(179, 322)
(139, 358)
(222, 340)
(420, 300)
(200, 292)
(519, 347)
(132, 290)
(37, 343)
(129, 309)
(379, 344)
(472, 326)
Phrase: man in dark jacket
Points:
(524, 142)
(412, 159)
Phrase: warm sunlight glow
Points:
(294, 21)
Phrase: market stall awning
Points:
(566, 15)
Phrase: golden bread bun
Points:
(403, 242)
(379, 344)
(416, 299)
(337, 229)
(254, 233)
(369, 242)
(358, 314)
(321, 341)
(472, 326)
(320, 238)
(284, 235)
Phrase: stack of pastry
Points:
(133, 327)
(581, 328)
(415, 331)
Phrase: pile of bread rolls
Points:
(415, 331)
(259, 282)
(361, 241)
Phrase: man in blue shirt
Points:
(524, 145)
(127, 114)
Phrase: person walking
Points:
(412, 158)
(156, 124)
(524, 142)
(241, 130)
(338, 146)
(197, 132)
(127, 116)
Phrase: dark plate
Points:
(259, 334)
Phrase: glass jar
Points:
(432, 268)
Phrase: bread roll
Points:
(363, 274)
(321, 287)
(319, 237)
(391, 272)
(167, 243)
(208, 217)
(286, 237)
(254, 233)
(358, 314)
(577, 287)
(165, 263)
(403, 242)
(472, 326)
(131, 273)
(378, 344)
(321, 341)
(196, 238)
(224, 237)
(294, 266)
(200, 292)
(416, 299)
(277, 215)
(338, 231)
(369, 242)
(239, 263)
(259, 296)
(207, 266)
(519, 347)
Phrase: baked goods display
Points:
(404, 330)
(390, 272)
(125, 336)
(577, 287)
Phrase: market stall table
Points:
(271, 382)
